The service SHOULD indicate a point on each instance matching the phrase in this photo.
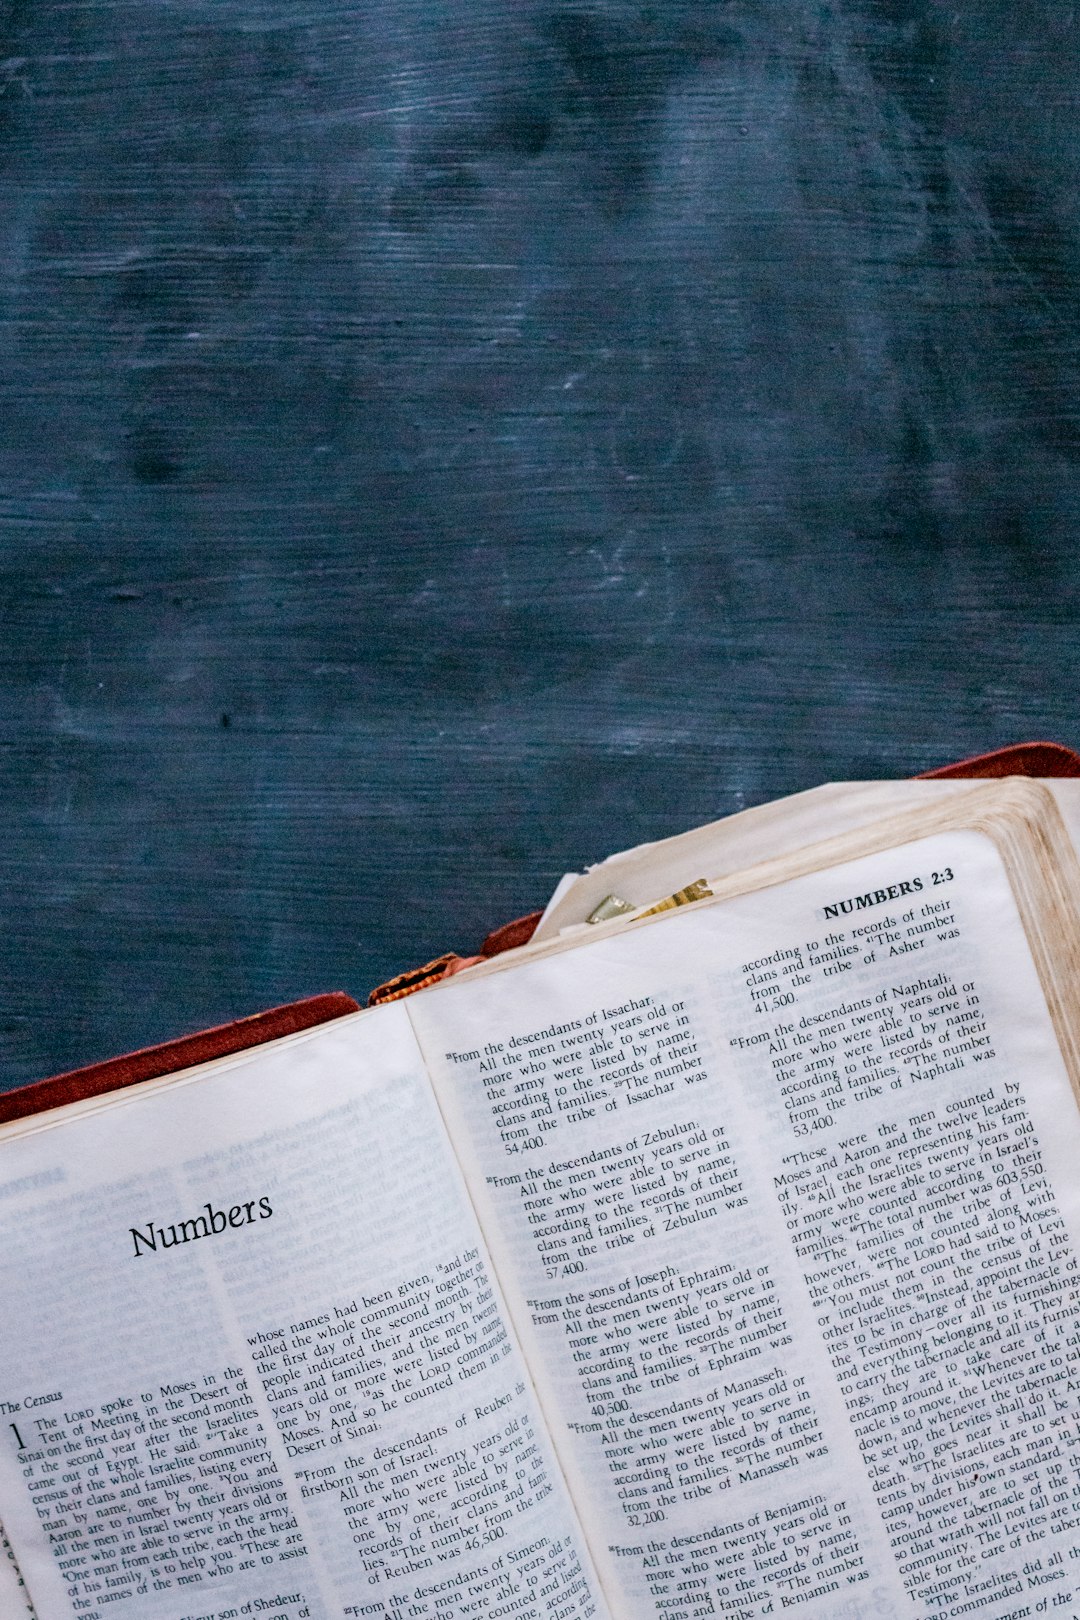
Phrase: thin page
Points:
(783, 1193)
(14, 1598)
(253, 1358)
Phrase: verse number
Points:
(773, 1003)
(944, 876)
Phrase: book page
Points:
(646, 874)
(253, 1359)
(783, 1193)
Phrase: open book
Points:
(719, 1262)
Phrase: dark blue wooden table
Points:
(442, 443)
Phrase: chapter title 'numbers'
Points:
(944, 876)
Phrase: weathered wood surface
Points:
(440, 443)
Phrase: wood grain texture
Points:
(440, 444)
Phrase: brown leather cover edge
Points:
(511, 934)
(170, 1056)
(1019, 759)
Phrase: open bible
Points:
(721, 1261)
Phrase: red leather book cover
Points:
(1020, 759)
(172, 1056)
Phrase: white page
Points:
(793, 1251)
(305, 1402)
